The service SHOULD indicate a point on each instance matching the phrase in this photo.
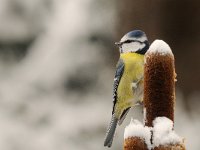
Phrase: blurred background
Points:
(57, 63)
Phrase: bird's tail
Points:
(111, 131)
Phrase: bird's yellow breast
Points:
(133, 71)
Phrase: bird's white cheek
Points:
(132, 47)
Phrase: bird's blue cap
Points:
(135, 33)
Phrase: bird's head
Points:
(134, 41)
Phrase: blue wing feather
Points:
(118, 74)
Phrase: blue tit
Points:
(128, 81)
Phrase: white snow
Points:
(163, 133)
(137, 129)
(159, 46)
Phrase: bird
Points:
(128, 81)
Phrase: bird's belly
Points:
(126, 96)
(124, 89)
(133, 72)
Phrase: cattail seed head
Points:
(159, 82)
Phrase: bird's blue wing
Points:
(118, 74)
(114, 120)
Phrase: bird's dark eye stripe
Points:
(129, 41)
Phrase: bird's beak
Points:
(118, 43)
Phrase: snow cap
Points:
(159, 46)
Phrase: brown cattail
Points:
(159, 82)
(159, 97)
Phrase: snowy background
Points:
(57, 62)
